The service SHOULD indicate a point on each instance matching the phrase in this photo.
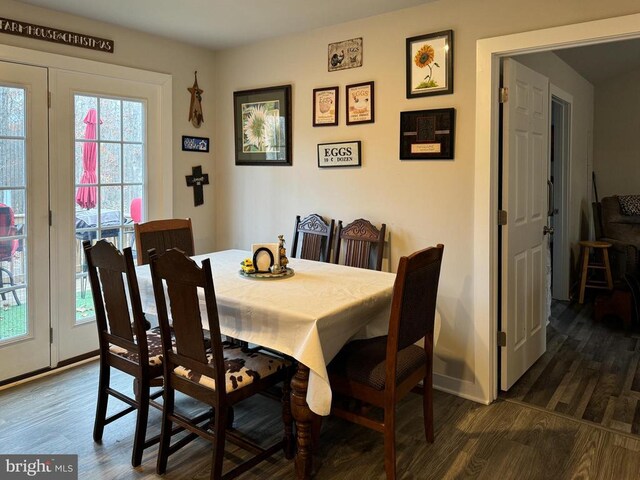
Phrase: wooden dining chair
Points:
(124, 342)
(315, 236)
(220, 376)
(162, 235)
(381, 371)
(363, 244)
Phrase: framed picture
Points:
(341, 154)
(427, 134)
(430, 64)
(325, 106)
(360, 103)
(345, 54)
(195, 144)
(262, 124)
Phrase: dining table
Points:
(309, 316)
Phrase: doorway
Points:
(24, 211)
(489, 53)
(74, 150)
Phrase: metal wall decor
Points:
(195, 107)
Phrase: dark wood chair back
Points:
(362, 243)
(315, 236)
(125, 344)
(181, 277)
(108, 270)
(162, 235)
(205, 374)
(381, 371)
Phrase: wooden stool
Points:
(584, 281)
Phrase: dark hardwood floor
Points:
(590, 370)
(504, 440)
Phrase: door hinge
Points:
(49, 99)
(502, 217)
(504, 94)
(502, 339)
(50, 334)
(50, 218)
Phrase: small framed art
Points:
(345, 54)
(427, 134)
(325, 106)
(360, 103)
(340, 154)
(262, 124)
(195, 144)
(430, 64)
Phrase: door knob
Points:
(547, 230)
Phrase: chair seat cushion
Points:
(154, 343)
(364, 361)
(242, 368)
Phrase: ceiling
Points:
(598, 63)
(218, 24)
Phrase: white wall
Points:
(563, 76)
(422, 202)
(616, 158)
(147, 52)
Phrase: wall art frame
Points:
(262, 126)
(195, 144)
(427, 134)
(430, 64)
(345, 54)
(340, 154)
(360, 103)
(326, 102)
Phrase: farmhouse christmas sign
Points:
(24, 29)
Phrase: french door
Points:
(74, 150)
(101, 124)
(24, 224)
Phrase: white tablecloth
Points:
(309, 316)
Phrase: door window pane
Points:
(13, 265)
(109, 175)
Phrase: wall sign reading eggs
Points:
(341, 154)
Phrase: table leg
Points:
(303, 416)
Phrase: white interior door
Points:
(105, 129)
(524, 197)
(24, 224)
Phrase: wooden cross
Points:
(196, 180)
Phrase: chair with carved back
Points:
(124, 342)
(363, 244)
(162, 235)
(220, 376)
(315, 236)
(381, 371)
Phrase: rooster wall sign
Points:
(195, 108)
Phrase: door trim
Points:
(566, 99)
(488, 54)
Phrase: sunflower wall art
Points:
(430, 64)
(262, 123)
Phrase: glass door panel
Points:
(24, 313)
(109, 173)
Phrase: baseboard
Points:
(28, 377)
(460, 388)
